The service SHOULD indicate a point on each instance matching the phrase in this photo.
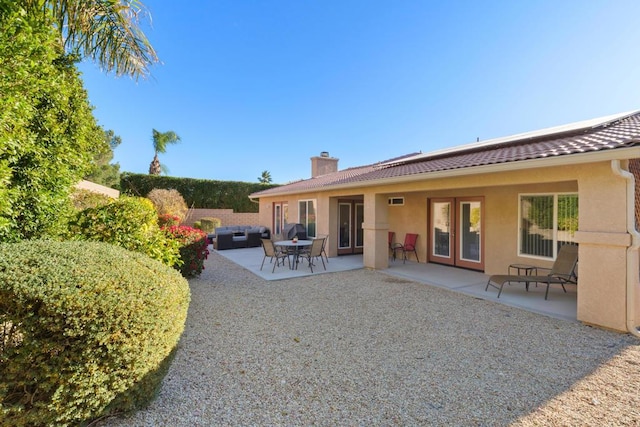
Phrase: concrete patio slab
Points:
(559, 305)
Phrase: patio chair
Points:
(324, 245)
(562, 272)
(407, 247)
(272, 252)
(315, 251)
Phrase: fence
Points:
(226, 216)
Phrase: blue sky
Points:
(265, 85)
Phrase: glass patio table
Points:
(293, 248)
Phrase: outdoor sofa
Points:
(239, 236)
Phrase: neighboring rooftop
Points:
(604, 133)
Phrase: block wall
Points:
(227, 216)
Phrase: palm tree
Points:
(160, 142)
(107, 31)
(265, 178)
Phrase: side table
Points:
(528, 270)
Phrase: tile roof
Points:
(595, 135)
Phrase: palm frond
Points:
(108, 32)
(162, 139)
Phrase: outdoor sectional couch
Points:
(239, 236)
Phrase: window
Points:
(307, 216)
(396, 201)
(547, 221)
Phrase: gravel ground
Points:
(361, 348)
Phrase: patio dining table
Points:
(293, 248)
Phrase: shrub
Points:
(128, 222)
(48, 133)
(168, 220)
(83, 199)
(168, 202)
(86, 329)
(197, 224)
(193, 248)
(209, 224)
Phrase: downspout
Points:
(632, 251)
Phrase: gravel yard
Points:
(361, 348)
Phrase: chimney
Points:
(323, 164)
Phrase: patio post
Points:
(375, 227)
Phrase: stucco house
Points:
(489, 204)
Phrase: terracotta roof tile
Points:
(623, 132)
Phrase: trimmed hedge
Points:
(209, 224)
(197, 193)
(128, 222)
(86, 329)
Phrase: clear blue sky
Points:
(265, 85)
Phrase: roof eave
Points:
(560, 160)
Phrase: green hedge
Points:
(86, 329)
(197, 193)
(128, 222)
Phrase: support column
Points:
(376, 229)
(603, 240)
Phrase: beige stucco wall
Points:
(226, 217)
(97, 188)
(603, 240)
(603, 237)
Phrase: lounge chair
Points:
(407, 247)
(271, 251)
(562, 272)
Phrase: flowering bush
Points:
(168, 220)
(193, 248)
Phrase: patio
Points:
(560, 305)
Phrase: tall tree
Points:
(48, 135)
(105, 172)
(107, 31)
(49, 138)
(160, 142)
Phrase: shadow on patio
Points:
(559, 305)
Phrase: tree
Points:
(107, 31)
(160, 142)
(104, 172)
(48, 135)
(265, 178)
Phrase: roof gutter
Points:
(560, 160)
(632, 251)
